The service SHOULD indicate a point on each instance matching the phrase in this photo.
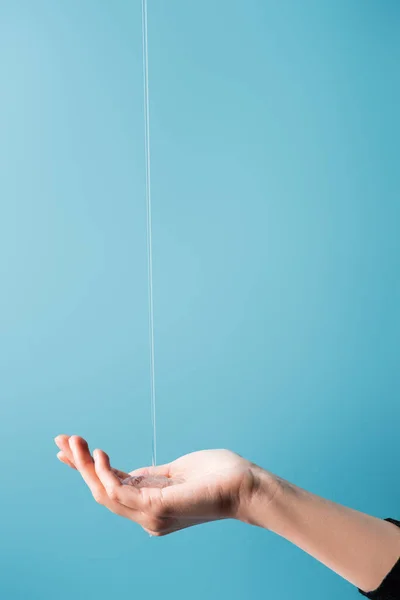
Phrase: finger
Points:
(62, 441)
(61, 456)
(130, 502)
(84, 463)
(66, 456)
(116, 493)
(106, 475)
(128, 496)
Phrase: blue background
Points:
(275, 139)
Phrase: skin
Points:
(218, 484)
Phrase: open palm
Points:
(203, 486)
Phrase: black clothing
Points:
(390, 586)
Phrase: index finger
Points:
(126, 495)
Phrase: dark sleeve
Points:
(390, 586)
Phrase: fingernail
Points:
(95, 454)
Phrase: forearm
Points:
(360, 548)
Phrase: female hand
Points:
(211, 485)
(218, 484)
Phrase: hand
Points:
(213, 485)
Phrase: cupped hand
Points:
(206, 486)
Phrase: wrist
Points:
(265, 499)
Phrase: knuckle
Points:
(85, 465)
